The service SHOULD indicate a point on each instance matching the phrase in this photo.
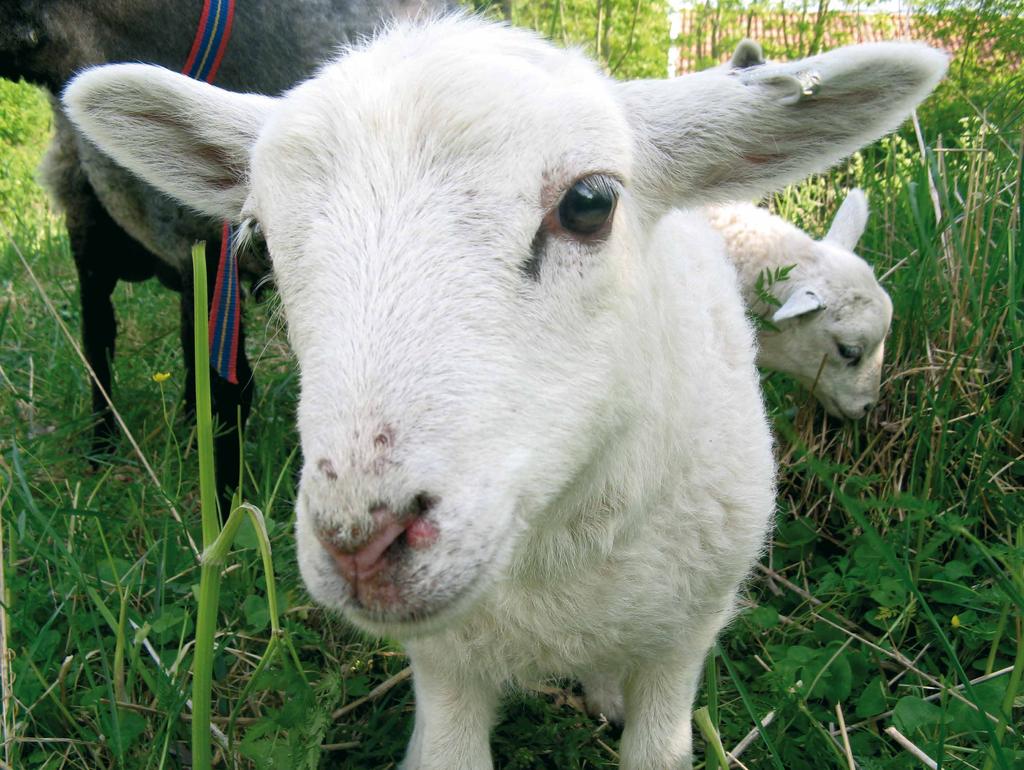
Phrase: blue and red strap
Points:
(211, 41)
(225, 311)
(203, 61)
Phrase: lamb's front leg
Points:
(659, 699)
(659, 695)
(455, 710)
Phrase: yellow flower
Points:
(161, 376)
(955, 621)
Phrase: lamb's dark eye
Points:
(851, 353)
(587, 206)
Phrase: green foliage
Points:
(896, 572)
(891, 532)
(25, 117)
(628, 37)
(290, 735)
(988, 39)
(765, 301)
(24, 130)
(985, 78)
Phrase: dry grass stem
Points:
(909, 746)
(904, 661)
(344, 746)
(846, 738)
(933, 697)
(375, 693)
(749, 738)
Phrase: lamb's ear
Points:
(185, 137)
(747, 54)
(800, 302)
(850, 221)
(733, 134)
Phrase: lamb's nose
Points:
(372, 555)
(366, 560)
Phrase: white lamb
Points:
(834, 315)
(533, 437)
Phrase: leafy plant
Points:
(765, 300)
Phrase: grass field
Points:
(892, 595)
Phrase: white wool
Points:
(575, 421)
(830, 302)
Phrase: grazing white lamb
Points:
(533, 436)
(831, 324)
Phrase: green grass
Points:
(896, 572)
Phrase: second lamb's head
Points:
(457, 216)
(834, 318)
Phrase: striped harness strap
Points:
(211, 41)
(225, 315)
(204, 59)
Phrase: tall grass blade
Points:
(209, 575)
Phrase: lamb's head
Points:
(455, 304)
(834, 319)
(457, 215)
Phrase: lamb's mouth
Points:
(834, 408)
(828, 403)
(397, 608)
(414, 573)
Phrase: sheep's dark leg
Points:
(230, 402)
(99, 331)
(103, 254)
(231, 406)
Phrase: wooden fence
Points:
(705, 36)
